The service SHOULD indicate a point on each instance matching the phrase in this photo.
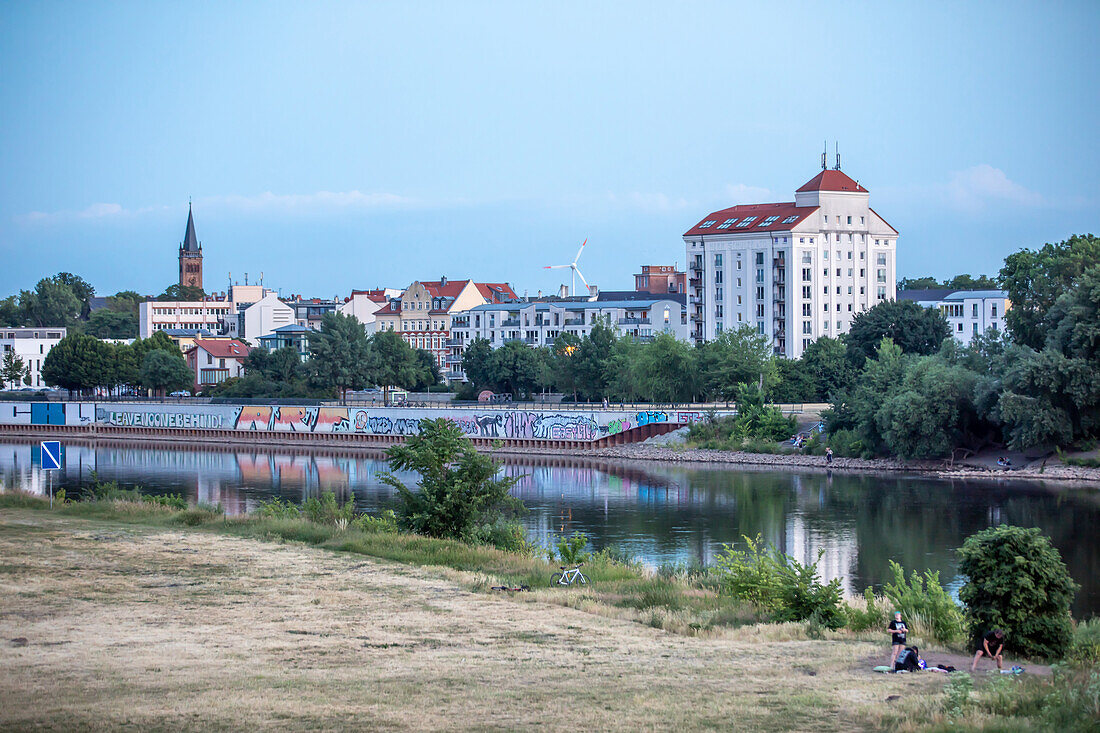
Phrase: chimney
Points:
(563, 291)
(442, 280)
(593, 292)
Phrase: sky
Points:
(333, 146)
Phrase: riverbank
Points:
(109, 624)
(1052, 471)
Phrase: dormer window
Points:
(708, 223)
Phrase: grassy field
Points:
(108, 623)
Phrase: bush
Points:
(201, 514)
(173, 501)
(504, 535)
(460, 489)
(1084, 649)
(327, 510)
(778, 584)
(278, 509)
(874, 614)
(924, 602)
(384, 522)
(570, 550)
(1018, 582)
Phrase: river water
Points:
(662, 513)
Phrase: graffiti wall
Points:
(484, 422)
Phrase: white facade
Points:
(968, 312)
(538, 324)
(212, 315)
(264, 316)
(362, 306)
(31, 344)
(793, 271)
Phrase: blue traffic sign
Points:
(51, 455)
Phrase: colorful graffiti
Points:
(647, 417)
(689, 417)
(615, 427)
(566, 427)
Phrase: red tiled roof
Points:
(377, 295)
(450, 289)
(223, 348)
(782, 213)
(496, 292)
(831, 180)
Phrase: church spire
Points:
(190, 241)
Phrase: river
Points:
(661, 513)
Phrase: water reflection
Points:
(660, 512)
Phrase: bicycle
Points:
(569, 576)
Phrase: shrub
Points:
(199, 515)
(278, 509)
(173, 501)
(779, 584)
(460, 489)
(1018, 582)
(1084, 649)
(503, 535)
(384, 522)
(327, 510)
(570, 550)
(924, 602)
(874, 614)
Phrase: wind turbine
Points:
(575, 270)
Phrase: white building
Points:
(208, 315)
(969, 312)
(263, 317)
(31, 344)
(539, 323)
(363, 304)
(794, 271)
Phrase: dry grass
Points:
(137, 627)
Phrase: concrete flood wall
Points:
(543, 427)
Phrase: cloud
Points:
(739, 193)
(982, 185)
(319, 202)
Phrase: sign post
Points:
(51, 461)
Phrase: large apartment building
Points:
(31, 344)
(794, 271)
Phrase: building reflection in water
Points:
(660, 513)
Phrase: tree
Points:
(106, 323)
(827, 360)
(855, 409)
(1035, 279)
(80, 288)
(427, 370)
(1074, 319)
(164, 372)
(79, 362)
(736, 357)
(931, 412)
(391, 362)
(796, 384)
(665, 370)
(1016, 581)
(515, 368)
(13, 371)
(339, 354)
(915, 330)
(561, 363)
(477, 363)
(1046, 398)
(623, 380)
(919, 283)
(459, 488)
(51, 303)
(125, 301)
(591, 360)
(186, 293)
(10, 312)
(968, 282)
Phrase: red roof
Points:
(765, 218)
(223, 348)
(496, 292)
(832, 180)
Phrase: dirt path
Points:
(115, 626)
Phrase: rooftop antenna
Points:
(836, 147)
(824, 156)
(261, 278)
(246, 278)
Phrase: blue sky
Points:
(349, 145)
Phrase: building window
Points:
(806, 309)
(994, 312)
(849, 221)
(807, 327)
(806, 277)
(806, 291)
(717, 260)
(974, 312)
(717, 277)
(760, 293)
(760, 327)
(760, 274)
(759, 258)
(760, 310)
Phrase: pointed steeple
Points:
(190, 241)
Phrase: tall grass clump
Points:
(922, 600)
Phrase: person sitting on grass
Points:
(897, 642)
(992, 646)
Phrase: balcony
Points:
(509, 322)
(573, 322)
(633, 321)
(455, 375)
(452, 359)
(453, 342)
(695, 282)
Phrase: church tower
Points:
(190, 255)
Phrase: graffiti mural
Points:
(648, 417)
(289, 419)
(332, 420)
(566, 427)
(617, 426)
(253, 417)
(689, 417)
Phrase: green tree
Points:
(796, 384)
(827, 360)
(79, 363)
(666, 369)
(561, 363)
(51, 303)
(105, 323)
(391, 362)
(477, 363)
(1035, 279)
(10, 312)
(1074, 319)
(515, 368)
(591, 360)
(339, 354)
(427, 371)
(915, 330)
(969, 282)
(736, 357)
(1016, 581)
(186, 293)
(1046, 398)
(855, 409)
(919, 283)
(164, 372)
(931, 412)
(459, 488)
(12, 370)
(80, 288)
(624, 369)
